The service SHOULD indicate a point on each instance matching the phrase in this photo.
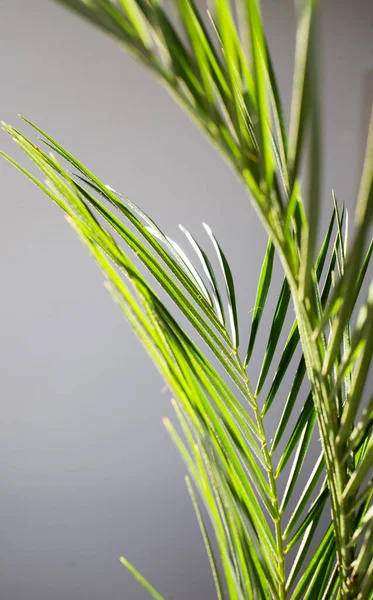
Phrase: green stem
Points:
(272, 482)
(337, 475)
(278, 521)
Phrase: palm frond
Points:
(228, 86)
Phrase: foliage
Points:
(222, 75)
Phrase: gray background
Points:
(87, 472)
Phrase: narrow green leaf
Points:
(320, 557)
(304, 443)
(286, 356)
(364, 207)
(313, 514)
(366, 590)
(321, 573)
(364, 560)
(206, 540)
(193, 26)
(362, 502)
(364, 267)
(102, 18)
(290, 403)
(261, 296)
(299, 108)
(209, 272)
(228, 35)
(228, 279)
(279, 118)
(259, 56)
(305, 496)
(141, 579)
(131, 9)
(330, 591)
(320, 262)
(308, 241)
(362, 525)
(340, 254)
(358, 476)
(306, 416)
(360, 373)
(191, 270)
(362, 426)
(274, 335)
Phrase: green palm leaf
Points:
(228, 86)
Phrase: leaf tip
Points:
(207, 228)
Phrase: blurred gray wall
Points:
(87, 472)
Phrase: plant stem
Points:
(272, 482)
(278, 522)
(337, 474)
